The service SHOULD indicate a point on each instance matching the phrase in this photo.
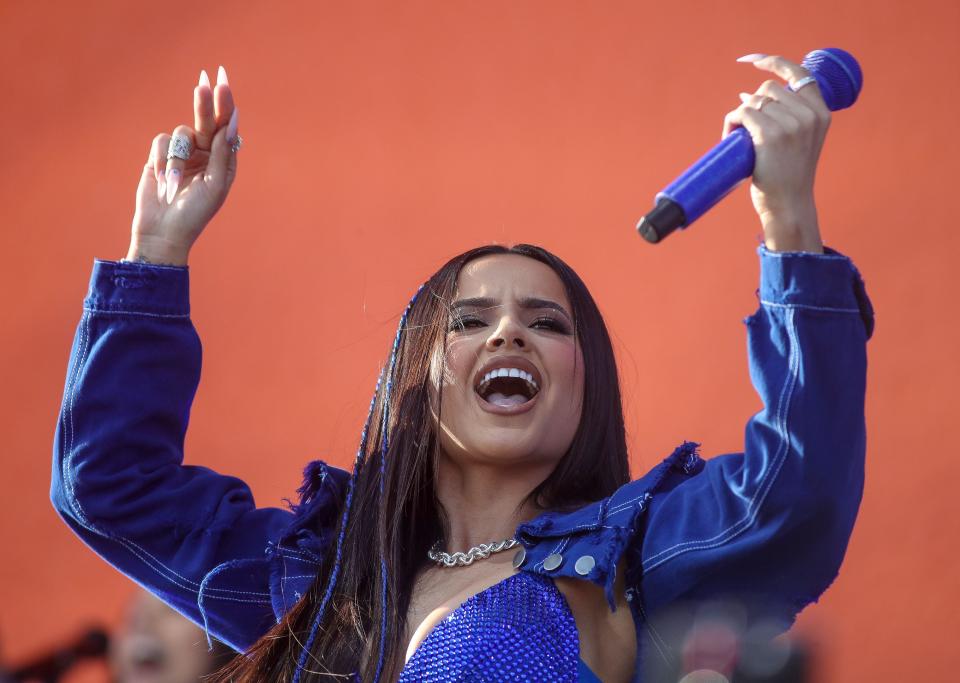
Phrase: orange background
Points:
(380, 139)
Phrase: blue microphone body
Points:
(731, 161)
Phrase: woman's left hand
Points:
(788, 129)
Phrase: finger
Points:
(747, 117)
(774, 111)
(175, 165)
(158, 159)
(792, 72)
(782, 67)
(204, 120)
(222, 166)
(799, 107)
(222, 99)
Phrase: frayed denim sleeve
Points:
(191, 536)
(772, 523)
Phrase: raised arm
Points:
(773, 522)
(193, 537)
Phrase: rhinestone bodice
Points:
(520, 629)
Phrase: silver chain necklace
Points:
(480, 552)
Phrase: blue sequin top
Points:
(520, 629)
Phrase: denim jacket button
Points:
(552, 561)
(519, 557)
(584, 565)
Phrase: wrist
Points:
(159, 252)
(793, 228)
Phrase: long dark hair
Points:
(354, 614)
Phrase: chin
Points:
(507, 451)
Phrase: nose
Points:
(507, 333)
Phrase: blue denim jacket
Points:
(772, 522)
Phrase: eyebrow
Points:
(529, 302)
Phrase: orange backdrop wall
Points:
(380, 139)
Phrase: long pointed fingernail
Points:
(161, 186)
(222, 76)
(204, 79)
(752, 57)
(232, 127)
(744, 96)
(173, 182)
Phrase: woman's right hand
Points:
(176, 198)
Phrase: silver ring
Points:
(180, 147)
(235, 147)
(806, 80)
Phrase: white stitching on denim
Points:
(783, 408)
(66, 471)
(803, 255)
(151, 315)
(808, 307)
(71, 492)
(166, 572)
(299, 576)
(133, 549)
(297, 555)
(559, 547)
(163, 571)
(598, 522)
(114, 266)
(283, 589)
(625, 504)
(657, 638)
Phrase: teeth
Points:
(510, 372)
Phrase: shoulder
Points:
(589, 542)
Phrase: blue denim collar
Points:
(587, 543)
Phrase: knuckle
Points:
(773, 134)
(806, 117)
(768, 87)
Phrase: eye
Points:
(465, 322)
(551, 324)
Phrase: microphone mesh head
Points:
(838, 75)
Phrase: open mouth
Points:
(507, 387)
(147, 656)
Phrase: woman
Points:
(495, 431)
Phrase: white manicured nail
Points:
(752, 57)
(173, 182)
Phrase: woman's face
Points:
(509, 316)
(157, 645)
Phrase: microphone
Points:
(721, 169)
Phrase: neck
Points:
(481, 502)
